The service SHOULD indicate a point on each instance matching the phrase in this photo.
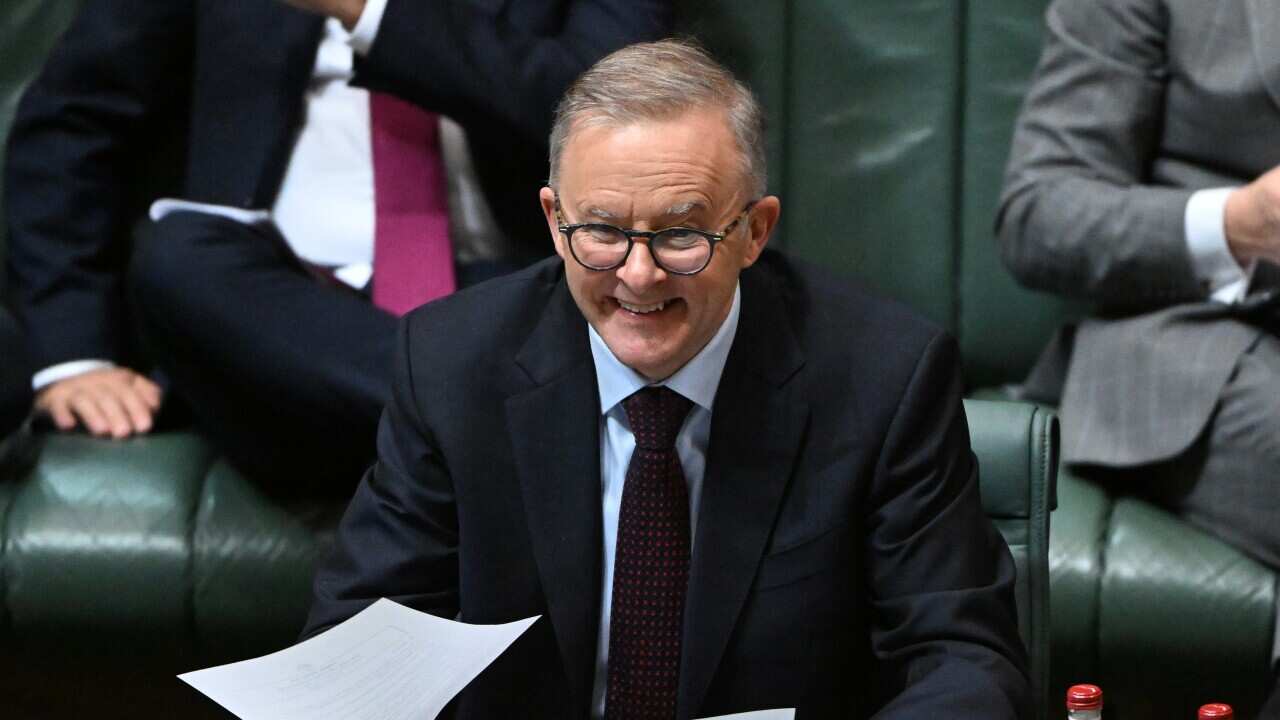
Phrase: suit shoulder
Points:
(828, 310)
(862, 353)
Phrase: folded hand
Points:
(110, 402)
(1252, 220)
(347, 11)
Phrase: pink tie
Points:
(412, 255)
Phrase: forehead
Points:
(691, 156)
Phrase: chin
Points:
(651, 365)
(644, 366)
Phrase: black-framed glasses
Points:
(677, 250)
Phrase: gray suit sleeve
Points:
(1078, 213)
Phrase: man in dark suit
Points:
(268, 106)
(727, 481)
(1143, 177)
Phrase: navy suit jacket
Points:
(842, 565)
(135, 84)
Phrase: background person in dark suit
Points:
(273, 134)
(726, 481)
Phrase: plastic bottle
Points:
(1084, 702)
(1216, 711)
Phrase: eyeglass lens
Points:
(601, 246)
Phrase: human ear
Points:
(547, 198)
(760, 224)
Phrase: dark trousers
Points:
(15, 375)
(287, 374)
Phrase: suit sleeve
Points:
(941, 578)
(477, 61)
(401, 528)
(80, 141)
(1079, 214)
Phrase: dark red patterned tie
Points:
(651, 570)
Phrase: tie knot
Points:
(656, 414)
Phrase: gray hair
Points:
(659, 81)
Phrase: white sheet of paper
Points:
(788, 714)
(389, 662)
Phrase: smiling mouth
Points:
(638, 309)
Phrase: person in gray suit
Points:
(1143, 177)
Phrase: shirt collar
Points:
(697, 380)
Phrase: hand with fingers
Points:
(111, 402)
(348, 11)
(1252, 220)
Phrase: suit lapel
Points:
(1264, 26)
(756, 431)
(300, 35)
(554, 431)
(256, 61)
(272, 40)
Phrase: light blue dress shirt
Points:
(697, 381)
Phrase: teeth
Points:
(642, 309)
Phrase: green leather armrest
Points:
(254, 555)
(1017, 449)
(97, 546)
(1171, 617)
(153, 548)
(124, 563)
(7, 491)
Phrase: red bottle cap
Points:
(1084, 697)
(1215, 711)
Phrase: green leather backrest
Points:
(863, 104)
(1001, 326)
(28, 29)
(890, 127)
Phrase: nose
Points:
(640, 273)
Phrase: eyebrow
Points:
(601, 213)
(677, 210)
(684, 208)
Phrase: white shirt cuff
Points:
(1207, 242)
(62, 371)
(355, 275)
(164, 206)
(365, 30)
